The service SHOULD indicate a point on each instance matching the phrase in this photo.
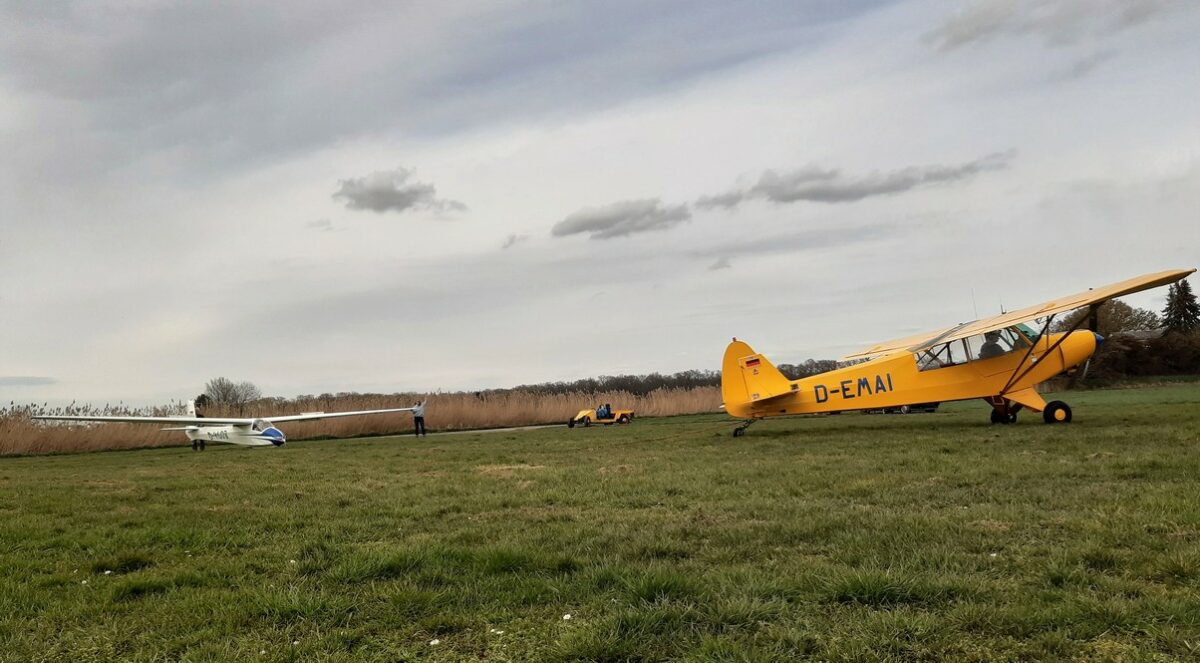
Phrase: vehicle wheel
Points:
(738, 432)
(587, 422)
(1057, 412)
(195, 445)
(570, 423)
(623, 420)
(202, 445)
(904, 409)
(1003, 418)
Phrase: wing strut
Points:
(1032, 344)
(1045, 328)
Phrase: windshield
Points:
(261, 425)
(1028, 332)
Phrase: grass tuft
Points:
(125, 563)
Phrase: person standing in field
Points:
(419, 417)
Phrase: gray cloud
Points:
(323, 225)
(808, 240)
(623, 218)
(392, 190)
(1057, 21)
(1085, 66)
(813, 184)
(721, 263)
(513, 239)
(235, 83)
(25, 381)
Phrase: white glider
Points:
(252, 432)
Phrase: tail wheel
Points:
(624, 419)
(1057, 412)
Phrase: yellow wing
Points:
(1052, 307)
(895, 345)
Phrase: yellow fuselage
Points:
(894, 380)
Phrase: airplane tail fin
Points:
(191, 408)
(748, 377)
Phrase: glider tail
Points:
(191, 409)
(748, 377)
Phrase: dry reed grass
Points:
(456, 411)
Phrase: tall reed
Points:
(19, 434)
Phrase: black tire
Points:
(587, 422)
(202, 445)
(570, 423)
(195, 445)
(1057, 412)
(904, 409)
(738, 432)
(1003, 418)
(624, 419)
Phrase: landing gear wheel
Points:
(623, 420)
(570, 423)
(1057, 412)
(1003, 417)
(741, 430)
(202, 445)
(195, 445)
(904, 409)
(587, 422)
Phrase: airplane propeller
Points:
(1093, 326)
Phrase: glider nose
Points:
(276, 436)
(1099, 340)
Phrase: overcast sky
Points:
(384, 196)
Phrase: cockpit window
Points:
(261, 425)
(996, 343)
(1025, 330)
(941, 356)
(981, 346)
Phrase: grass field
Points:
(853, 537)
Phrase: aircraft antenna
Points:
(973, 305)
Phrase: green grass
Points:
(845, 538)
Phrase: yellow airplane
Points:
(1000, 359)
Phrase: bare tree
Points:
(1114, 316)
(223, 391)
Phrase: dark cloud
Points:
(721, 263)
(25, 381)
(392, 191)
(818, 185)
(1057, 21)
(624, 218)
(513, 239)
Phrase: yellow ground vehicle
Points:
(602, 415)
(1000, 360)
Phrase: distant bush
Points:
(1126, 356)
